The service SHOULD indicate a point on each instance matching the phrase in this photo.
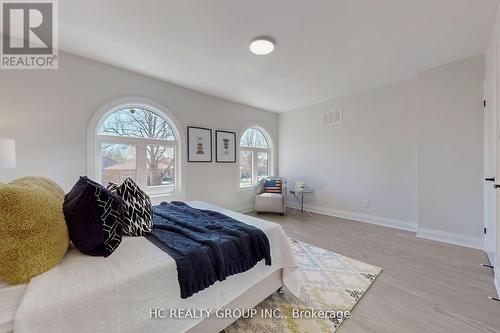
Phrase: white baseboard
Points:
(372, 219)
(451, 238)
(497, 282)
(436, 235)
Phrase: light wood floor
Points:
(425, 286)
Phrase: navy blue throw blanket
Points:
(207, 246)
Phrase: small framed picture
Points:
(225, 147)
(199, 142)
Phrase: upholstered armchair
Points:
(271, 202)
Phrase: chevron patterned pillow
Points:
(137, 216)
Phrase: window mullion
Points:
(98, 162)
(141, 163)
(254, 167)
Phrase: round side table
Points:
(299, 197)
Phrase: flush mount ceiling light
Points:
(262, 46)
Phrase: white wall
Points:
(371, 156)
(433, 183)
(450, 149)
(47, 112)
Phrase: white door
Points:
(490, 156)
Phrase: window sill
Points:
(157, 198)
(156, 195)
(247, 188)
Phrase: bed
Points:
(116, 294)
(10, 298)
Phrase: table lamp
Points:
(7, 153)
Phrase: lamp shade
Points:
(7, 153)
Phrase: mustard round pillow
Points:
(33, 233)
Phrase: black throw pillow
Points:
(94, 218)
(137, 216)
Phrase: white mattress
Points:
(115, 294)
(10, 298)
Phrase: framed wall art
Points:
(199, 142)
(225, 147)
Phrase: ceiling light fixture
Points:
(262, 46)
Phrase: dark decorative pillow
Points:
(137, 217)
(94, 218)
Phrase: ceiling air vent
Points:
(331, 118)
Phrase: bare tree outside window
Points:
(253, 138)
(139, 123)
(161, 163)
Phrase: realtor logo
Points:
(29, 34)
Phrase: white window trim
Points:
(270, 156)
(94, 141)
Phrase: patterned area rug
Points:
(330, 282)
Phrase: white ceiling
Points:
(325, 49)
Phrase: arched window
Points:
(255, 157)
(140, 143)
